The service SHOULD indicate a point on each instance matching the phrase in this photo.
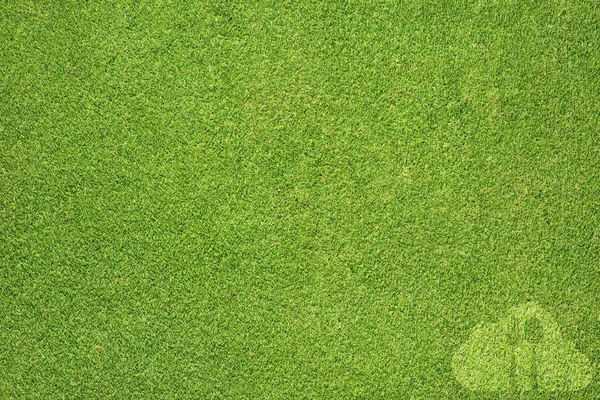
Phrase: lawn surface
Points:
(293, 199)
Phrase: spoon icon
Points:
(513, 340)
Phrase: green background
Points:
(290, 199)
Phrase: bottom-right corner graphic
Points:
(524, 351)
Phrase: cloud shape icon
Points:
(524, 351)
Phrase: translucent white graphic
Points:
(524, 351)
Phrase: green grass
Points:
(291, 199)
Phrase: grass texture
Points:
(297, 199)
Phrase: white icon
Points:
(525, 351)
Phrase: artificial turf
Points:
(297, 199)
